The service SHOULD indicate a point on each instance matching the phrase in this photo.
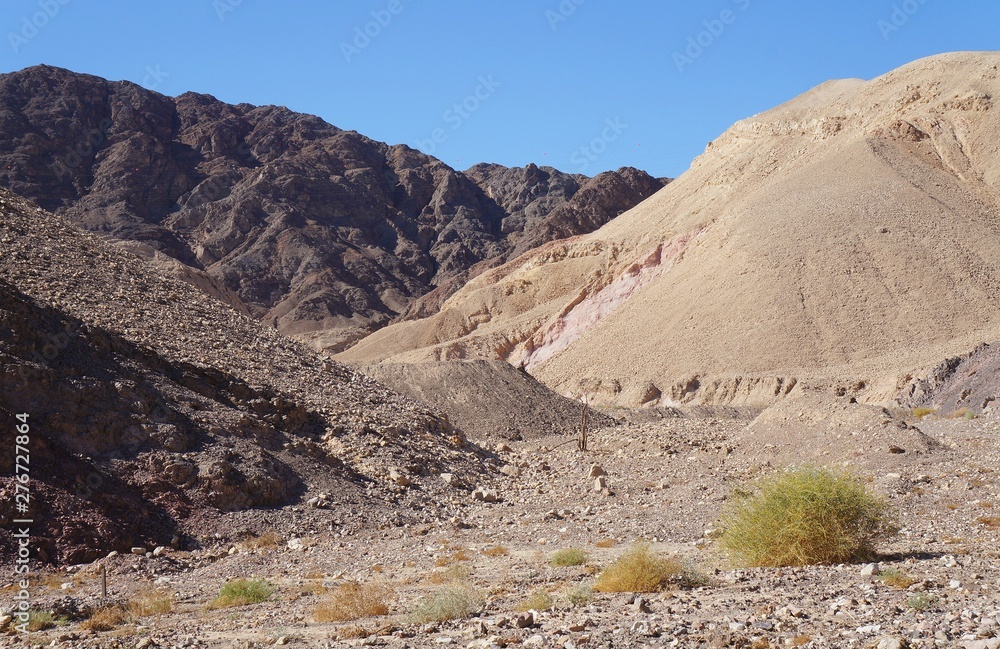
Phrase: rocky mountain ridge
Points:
(321, 232)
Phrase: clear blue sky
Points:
(551, 74)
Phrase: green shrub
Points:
(41, 620)
(806, 516)
(640, 570)
(568, 557)
(579, 595)
(241, 592)
(539, 601)
(896, 578)
(450, 603)
(922, 602)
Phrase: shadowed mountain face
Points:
(319, 231)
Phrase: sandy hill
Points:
(842, 239)
(158, 414)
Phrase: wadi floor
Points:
(668, 481)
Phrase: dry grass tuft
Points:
(800, 640)
(151, 602)
(454, 573)
(353, 601)
(105, 619)
(579, 595)
(539, 601)
(568, 557)
(450, 603)
(896, 578)
(496, 551)
(806, 516)
(266, 540)
(242, 592)
(41, 620)
(640, 570)
(920, 413)
(992, 522)
(606, 543)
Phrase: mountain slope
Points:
(843, 238)
(319, 231)
(155, 409)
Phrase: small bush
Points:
(455, 573)
(806, 516)
(568, 557)
(496, 551)
(451, 603)
(41, 620)
(641, 571)
(579, 595)
(151, 602)
(105, 619)
(896, 578)
(353, 601)
(922, 602)
(266, 540)
(606, 543)
(242, 592)
(539, 601)
(920, 413)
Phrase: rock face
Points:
(153, 405)
(839, 240)
(321, 232)
(966, 384)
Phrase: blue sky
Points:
(581, 85)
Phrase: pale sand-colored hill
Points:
(844, 238)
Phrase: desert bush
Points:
(353, 601)
(640, 570)
(922, 602)
(450, 603)
(241, 592)
(151, 602)
(266, 540)
(606, 543)
(896, 578)
(920, 413)
(41, 620)
(106, 618)
(496, 551)
(806, 516)
(539, 601)
(568, 557)
(579, 595)
(452, 574)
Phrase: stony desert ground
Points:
(668, 478)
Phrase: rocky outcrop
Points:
(320, 232)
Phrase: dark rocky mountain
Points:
(321, 232)
(158, 416)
